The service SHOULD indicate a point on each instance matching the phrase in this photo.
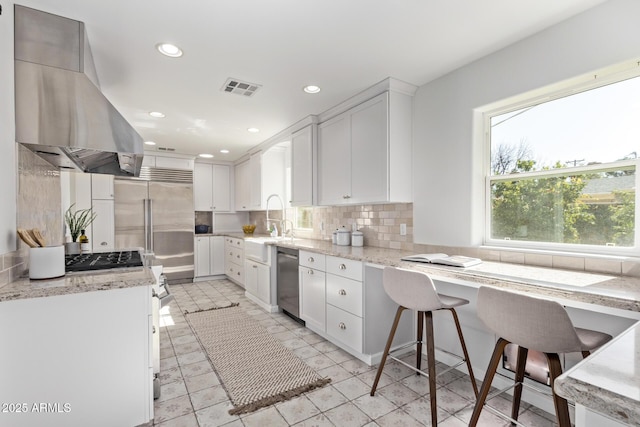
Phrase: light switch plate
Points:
(403, 229)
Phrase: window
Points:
(304, 218)
(563, 172)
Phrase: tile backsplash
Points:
(38, 206)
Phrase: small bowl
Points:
(249, 229)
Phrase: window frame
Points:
(539, 97)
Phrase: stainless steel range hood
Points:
(61, 114)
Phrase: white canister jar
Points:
(344, 237)
(357, 238)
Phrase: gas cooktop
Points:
(102, 261)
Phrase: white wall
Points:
(7, 134)
(448, 151)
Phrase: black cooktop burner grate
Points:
(102, 261)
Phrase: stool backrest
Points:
(531, 322)
(411, 289)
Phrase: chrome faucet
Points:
(284, 214)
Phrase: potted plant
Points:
(77, 221)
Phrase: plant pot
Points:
(72, 248)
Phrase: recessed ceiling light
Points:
(206, 155)
(157, 114)
(224, 151)
(150, 143)
(253, 130)
(311, 89)
(169, 49)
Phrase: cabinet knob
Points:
(342, 292)
(311, 259)
(103, 244)
(310, 272)
(238, 273)
(342, 267)
(254, 266)
(230, 253)
(342, 326)
(346, 196)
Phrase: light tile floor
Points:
(192, 395)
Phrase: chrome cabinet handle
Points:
(238, 273)
(310, 272)
(342, 267)
(342, 292)
(342, 326)
(311, 259)
(103, 244)
(254, 266)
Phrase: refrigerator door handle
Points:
(147, 225)
(150, 213)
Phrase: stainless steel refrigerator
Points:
(157, 216)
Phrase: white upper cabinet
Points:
(243, 186)
(211, 187)
(364, 154)
(101, 186)
(302, 166)
(255, 179)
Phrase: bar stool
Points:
(532, 323)
(413, 290)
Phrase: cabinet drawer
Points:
(235, 272)
(312, 260)
(344, 267)
(236, 243)
(345, 294)
(234, 255)
(344, 327)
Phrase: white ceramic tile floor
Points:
(192, 395)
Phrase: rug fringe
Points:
(233, 304)
(281, 397)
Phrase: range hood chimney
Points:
(61, 114)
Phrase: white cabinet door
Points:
(203, 187)
(202, 256)
(243, 186)
(334, 161)
(221, 192)
(103, 236)
(312, 297)
(216, 255)
(264, 283)
(174, 163)
(255, 180)
(251, 277)
(369, 151)
(101, 186)
(302, 167)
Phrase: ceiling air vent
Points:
(166, 149)
(239, 87)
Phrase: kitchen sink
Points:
(256, 248)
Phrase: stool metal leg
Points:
(464, 352)
(387, 348)
(420, 331)
(431, 369)
(517, 391)
(488, 378)
(562, 408)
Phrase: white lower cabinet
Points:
(75, 354)
(312, 298)
(344, 327)
(257, 281)
(209, 256)
(234, 259)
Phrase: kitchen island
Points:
(76, 351)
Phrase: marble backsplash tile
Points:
(38, 206)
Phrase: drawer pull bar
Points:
(343, 267)
(341, 325)
(342, 292)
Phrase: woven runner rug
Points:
(255, 368)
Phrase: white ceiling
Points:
(344, 46)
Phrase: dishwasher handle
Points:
(282, 254)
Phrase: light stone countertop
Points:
(608, 381)
(73, 283)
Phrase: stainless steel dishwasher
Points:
(288, 290)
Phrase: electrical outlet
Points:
(403, 229)
(354, 227)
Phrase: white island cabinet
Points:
(82, 359)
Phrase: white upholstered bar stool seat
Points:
(532, 323)
(415, 290)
